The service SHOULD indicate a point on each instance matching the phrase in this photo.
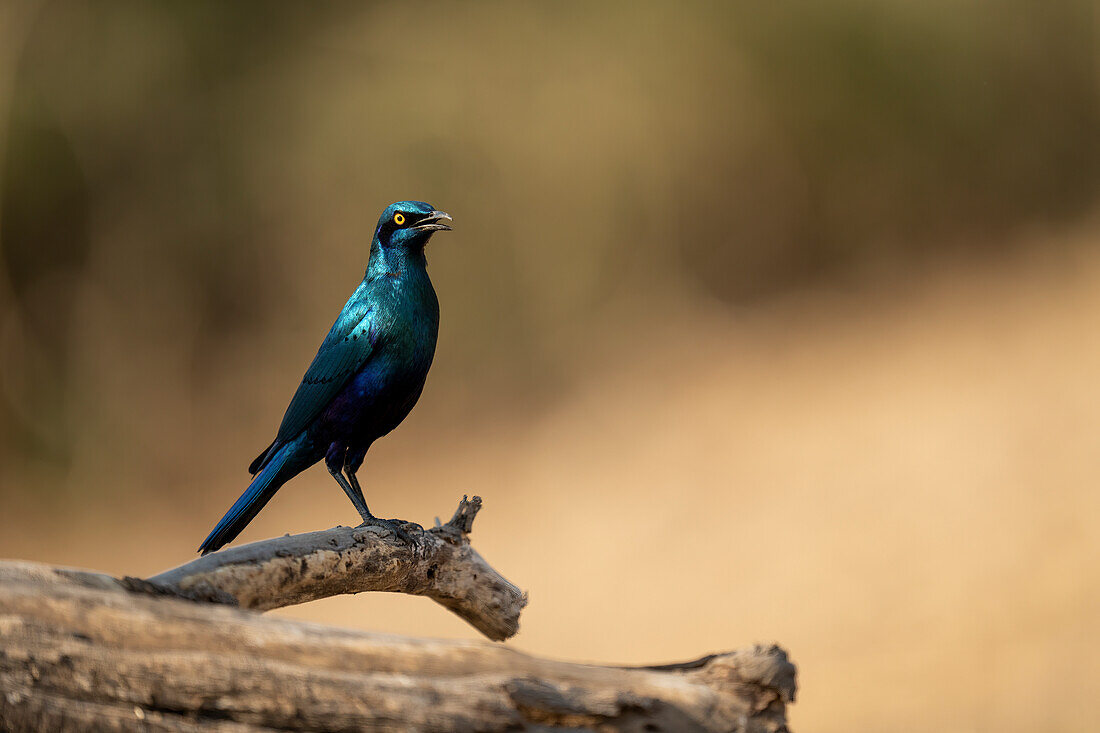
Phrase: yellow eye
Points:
(399, 218)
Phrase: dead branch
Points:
(439, 563)
(82, 650)
(80, 655)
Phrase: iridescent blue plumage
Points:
(366, 377)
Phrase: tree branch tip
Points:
(463, 519)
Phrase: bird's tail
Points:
(259, 492)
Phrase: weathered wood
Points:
(84, 655)
(438, 563)
(85, 651)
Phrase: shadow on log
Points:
(82, 650)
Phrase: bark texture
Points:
(85, 651)
(438, 563)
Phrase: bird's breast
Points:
(391, 380)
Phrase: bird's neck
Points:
(400, 277)
(398, 263)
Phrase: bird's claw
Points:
(393, 525)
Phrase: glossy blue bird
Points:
(366, 377)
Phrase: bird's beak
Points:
(433, 222)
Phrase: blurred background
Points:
(759, 321)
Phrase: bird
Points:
(368, 374)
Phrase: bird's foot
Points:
(393, 525)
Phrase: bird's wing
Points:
(344, 351)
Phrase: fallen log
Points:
(180, 652)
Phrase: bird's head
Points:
(409, 225)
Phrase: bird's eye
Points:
(399, 218)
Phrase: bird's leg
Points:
(342, 464)
(370, 518)
(334, 461)
(359, 493)
(351, 461)
(355, 496)
(394, 525)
